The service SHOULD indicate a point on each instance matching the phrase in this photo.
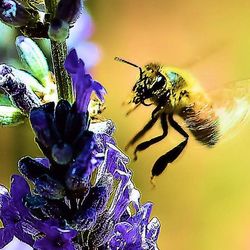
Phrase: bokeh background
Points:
(202, 200)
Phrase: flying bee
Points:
(174, 92)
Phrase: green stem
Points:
(63, 80)
(58, 55)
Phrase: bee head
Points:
(151, 83)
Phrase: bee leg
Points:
(132, 109)
(142, 132)
(142, 146)
(156, 110)
(173, 154)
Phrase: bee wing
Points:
(217, 115)
(232, 106)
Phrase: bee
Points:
(174, 92)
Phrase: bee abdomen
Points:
(202, 122)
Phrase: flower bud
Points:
(85, 219)
(19, 94)
(15, 14)
(31, 168)
(33, 58)
(49, 188)
(58, 30)
(77, 180)
(69, 11)
(99, 194)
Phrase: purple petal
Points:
(116, 160)
(121, 204)
(43, 243)
(54, 232)
(19, 189)
(4, 195)
(81, 31)
(44, 161)
(38, 119)
(56, 239)
(123, 227)
(68, 235)
(153, 229)
(99, 90)
(146, 210)
(71, 62)
(22, 236)
(142, 216)
(6, 236)
(83, 83)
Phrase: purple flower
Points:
(83, 83)
(69, 11)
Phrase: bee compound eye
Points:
(159, 78)
(159, 83)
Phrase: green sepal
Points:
(5, 100)
(11, 116)
(33, 58)
(58, 30)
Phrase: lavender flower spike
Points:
(83, 195)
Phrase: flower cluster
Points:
(82, 195)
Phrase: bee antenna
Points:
(132, 64)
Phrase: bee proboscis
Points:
(174, 92)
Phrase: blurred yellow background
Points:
(202, 200)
